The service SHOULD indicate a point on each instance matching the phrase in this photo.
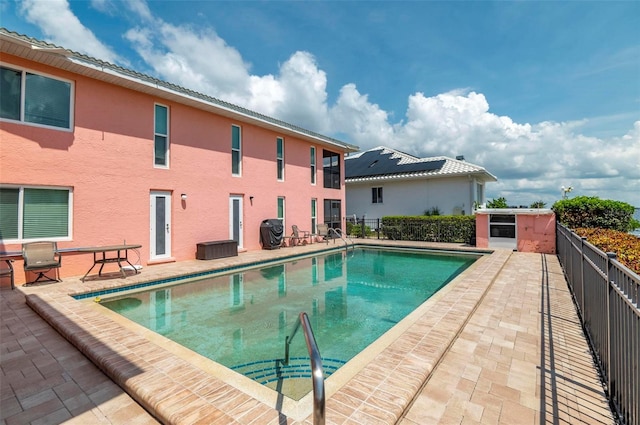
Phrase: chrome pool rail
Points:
(338, 233)
(317, 374)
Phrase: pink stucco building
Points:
(94, 154)
(524, 230)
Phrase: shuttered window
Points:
(34, 213)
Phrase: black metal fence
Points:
(408, 229)
(607, 294)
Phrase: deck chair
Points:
(41, 257)
(8, 271)
(300, 235)
(323, 232)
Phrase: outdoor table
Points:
(120, 254)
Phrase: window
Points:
(313, 164)
(281, 210)
(331, 169)
(34, 213)
(480, 193)
(314, 215)
(34, 98)
(280, 157)
(161, 136)
(376, 195)
(332, 213)
(236, 151)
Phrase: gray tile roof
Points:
(382, 163)
(40, 51)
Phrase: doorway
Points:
(160, 229)
(235, 220)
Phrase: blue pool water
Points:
(241, 320)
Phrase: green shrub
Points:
(432, 211)
(538, 204)
(497, 203)
(585, 211)
(355, 230)
(443, 228)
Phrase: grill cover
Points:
(271, 233)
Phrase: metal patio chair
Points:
(42, 257)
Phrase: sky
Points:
(544, 95)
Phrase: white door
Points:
(160, 220)
(235, 219)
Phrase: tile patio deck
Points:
(500, 345)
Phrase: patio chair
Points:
(41, 257)
(8, 271)
(295, 238)
(300, 234)
(323, 232)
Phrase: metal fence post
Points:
(582, 266)
(610, 272)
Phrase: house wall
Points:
(411, 197)
(107, 160)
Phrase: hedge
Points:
(443, 228)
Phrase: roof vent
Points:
(460, 157)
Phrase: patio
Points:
(503, 344)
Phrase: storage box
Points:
(216, 249)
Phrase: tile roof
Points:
(40, 51)
(382, 163)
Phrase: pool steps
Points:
(267, 371)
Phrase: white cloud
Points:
(63, 28)
(531, 160)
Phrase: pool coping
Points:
(178, 391)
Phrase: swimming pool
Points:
(242, 319)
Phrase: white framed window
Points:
(312, 154)
(34, 98)
(236, 150)
(280, 157)
(281, 210)
(161, 136)
(314, 215)
(35, 213)
(376, 195)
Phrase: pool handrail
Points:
(338, 233)
(317, 375)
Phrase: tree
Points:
(538, 204)
(501, 202)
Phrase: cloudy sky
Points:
(542, 94)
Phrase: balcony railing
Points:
(607, 296)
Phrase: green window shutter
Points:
(9, 214)
(46, 213)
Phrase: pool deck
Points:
(501, 344)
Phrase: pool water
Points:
(241, 320)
